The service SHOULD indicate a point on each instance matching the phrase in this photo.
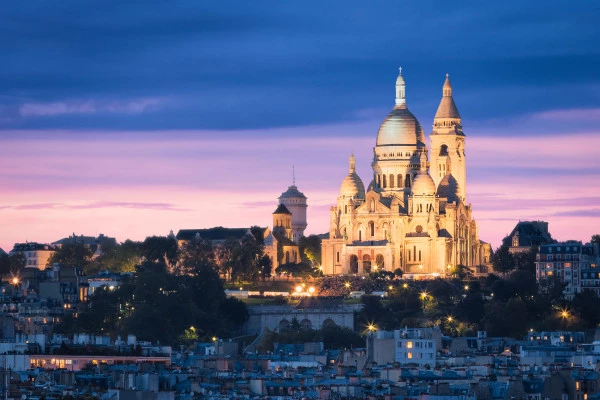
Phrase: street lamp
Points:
(405, 285)
(298, 289)
(450, 319)
(424, 295)
(466, 287)
(311, 290)
(371, 328)
(347, 285)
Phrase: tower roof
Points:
(447, 107)
(292, 192)
(282, 209)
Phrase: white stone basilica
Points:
(414, 215)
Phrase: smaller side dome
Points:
(448, 188)
(352, 185)
(423, 184)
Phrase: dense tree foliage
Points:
(159, 305)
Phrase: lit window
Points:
(409, 345)
(409, 354)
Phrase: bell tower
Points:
(447, 142)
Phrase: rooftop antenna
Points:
(293, 175)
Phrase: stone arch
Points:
(353, 264)
(306, 324)
(366, 261)
(284, 325)
(329, 323)
(444, 150)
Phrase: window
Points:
(419, 255)
(399, 180)
(392, 181)
(409, 354)
(409, 345)
(338, 256)
(372, 228)
(384, 181)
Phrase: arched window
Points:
(384, 181)
(359, 235)
(378, 180)
(408, 255)
(399, 180)
(444, 150)
(392, 181)
(372, 228)
(419, 255)
(338, 256)
(353, 264)
(287, 257)
(407, 181)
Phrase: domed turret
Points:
(400, 127)
(423, 183)
(352, 185)
(448, 188)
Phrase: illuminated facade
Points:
(413, 215)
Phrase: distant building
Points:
(528, 234)
(105, 278)
(405, 346)
(216, 235)
(573, 263)
(289, 223)
(36, 254)
(96, 244)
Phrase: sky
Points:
(135, 118)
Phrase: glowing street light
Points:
(424, 295)
(371, 328)
(466, 287)
(450, 319)
(347, 285)
(405, 285)
(298, 289)
(15, 280)
(390, 287)
(311, 290)
(214, 338)
(564, 314)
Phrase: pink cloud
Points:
(128, 185)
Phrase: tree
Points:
(71, 255)
(502, 260)
(161, 249)
(310, 250)
(11, 264)
(123, 257)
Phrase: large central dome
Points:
(400, 127)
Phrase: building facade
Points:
(414, 214)
(289, 223)
(572, 262)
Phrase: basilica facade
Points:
(414, 213)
